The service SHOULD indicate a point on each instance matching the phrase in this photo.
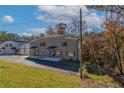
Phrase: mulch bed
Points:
(90, 83)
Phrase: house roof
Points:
(22, 40)
(8, 41)
(1, 42)
(56, 36)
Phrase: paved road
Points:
(40, 64)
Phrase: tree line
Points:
(106, 49)
(5, 36)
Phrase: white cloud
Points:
(8, 19)
(88, 30)
(94, 20)
(56, 14)
(37, 30)
(60, 10)
(40, 17)
(27, 34)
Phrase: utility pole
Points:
(81, 45)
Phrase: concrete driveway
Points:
(24, 60)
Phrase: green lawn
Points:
(98, 77)
(15, 75)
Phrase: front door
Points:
(53, 52)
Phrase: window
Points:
(43, 44)
(10, 45)
(70, 53)
(6, 45)
(64, 43)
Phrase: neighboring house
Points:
(19, 47)
(25, 49)
(24, 46)
(58, 45)
(9, 47)
(1, 51)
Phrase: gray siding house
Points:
(25, 49)
(24, 46)
(9, 47)
(55, 46)
(19, 47)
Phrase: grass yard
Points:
(101, 78)
(15, 75)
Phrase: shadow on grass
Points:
(65, 65)
(93, 69)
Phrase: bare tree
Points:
(93, 45)
(75, 25)
(108, 8)
(114, 26)
(50, 31)
(61, 28)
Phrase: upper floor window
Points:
(10, 45)
(6, 45)
(43, 44)
(64, 43)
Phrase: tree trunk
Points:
(119, 61)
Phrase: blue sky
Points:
(28, 20)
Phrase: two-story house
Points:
(20, 47)
(9, 47)
(55, 46)
(24, 46)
